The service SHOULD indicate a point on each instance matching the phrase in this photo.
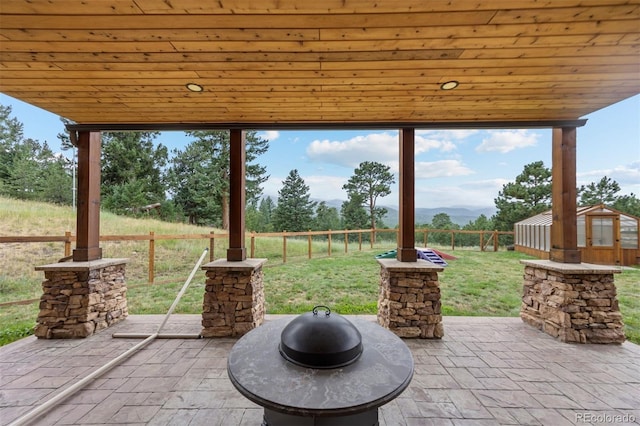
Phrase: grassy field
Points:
(475, 284)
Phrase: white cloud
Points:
(627, 176)
(326, 187)
(435, 169)
(504, 141)
(379, 147)
(425, 145)
(444, 168)
(270, 135)
(460, 134)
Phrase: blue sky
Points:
(455, 168)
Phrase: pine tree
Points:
(370, 181)
(294, 211)
(212, 149)
(131, 159)
(354, 215)
(326, 217)
(602, 192)
(530, 194)
(10, 137)
(265, 211)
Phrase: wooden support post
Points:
(329, 243)
(237, 250)
(406, 234)
(564, 225)
(88, 210)
(309, 244)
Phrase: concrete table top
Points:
(262, 375)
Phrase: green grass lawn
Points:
(475, 284)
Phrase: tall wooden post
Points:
(88, 209)
(237, 250)
(564, 225)
(406, 234)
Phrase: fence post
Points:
(284, 247)
(453, 241)
(253, 244)
(482, 241)
(372, 237)
(346, 241)
(495, 240)
(309, 244)
(329, 242)
(67, 244)
(212, 247)
(360, 241)
(152, 256)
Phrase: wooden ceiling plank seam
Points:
(157, 34)
(321, 81)
(260, 47)
(248, 21)
(281, 6)
(327, 58)
(323, 34)
(255, 21)
(419, 73)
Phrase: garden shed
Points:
(605, 236)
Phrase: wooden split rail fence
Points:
(486, 238)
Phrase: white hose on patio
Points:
(46, 406)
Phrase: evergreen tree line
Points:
(192, 185)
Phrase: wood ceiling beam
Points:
(116, 127)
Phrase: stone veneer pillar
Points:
(574, 302)
(409, 301)
(234, 297)
(81, 298)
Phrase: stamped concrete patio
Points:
(485, 371)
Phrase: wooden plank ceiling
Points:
(311, 63)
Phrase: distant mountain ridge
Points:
(459, 215)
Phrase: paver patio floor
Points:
(485, 371)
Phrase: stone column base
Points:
(234, 297)
(573, 302)
(409, 301)
(81, 298)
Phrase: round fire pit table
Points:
(292, 394)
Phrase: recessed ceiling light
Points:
(195, 87)
(449, 85)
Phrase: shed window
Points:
(602, 231)
(628, 232)
(582, 235)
